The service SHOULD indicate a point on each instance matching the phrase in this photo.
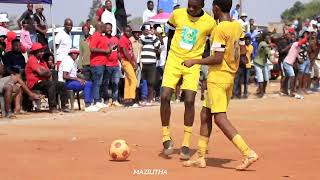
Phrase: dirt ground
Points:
(285, 133)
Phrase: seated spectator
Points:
(14, 59)
(68, 73)
(49, 59)
(11, 86)
(38, 78)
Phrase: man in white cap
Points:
(68, 74)
(41, 25)
(243, 22)
(4, 24)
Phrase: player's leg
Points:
(189, 114)
(189, 85)
(205, 132)
(171, 76)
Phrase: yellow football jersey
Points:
(249, 49)
(190, 33)
(226, 37)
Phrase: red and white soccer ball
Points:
(119, 150)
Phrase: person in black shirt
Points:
(41, 26)
(13, 60)
(28, 17)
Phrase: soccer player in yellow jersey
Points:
(229, 48)
(189, 29)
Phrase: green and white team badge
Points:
(189, 38)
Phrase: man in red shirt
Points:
(112, 72)
(98, 59)
(128, 64)
(38, 78)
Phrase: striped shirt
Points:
(148, 51)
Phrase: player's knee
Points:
(165, 98)
(189, 102)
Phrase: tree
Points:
(93, 9)
(304, 11)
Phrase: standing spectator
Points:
(283, 46)
(288, 63)
(261, 65)
(98, 58)
(249, 54)
(235, 12)
(121, 14)
(38, 78)
(84, 57)
(129, 65)
(68, 74)
(14, 60)
(150, 48)
(27, 17)
(162, 56)
(100, 11)
(243, 22)
(149, 12)
(108, 17)
(25, 37)
(4, 24)
(241, 75)
(63, 41)
(136, 47)
(41, 26)
(304, 66)
(112, 72)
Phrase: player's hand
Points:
(189, 63)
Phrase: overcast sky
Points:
(263, 11)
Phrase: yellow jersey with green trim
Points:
(190, 34)
(226, 37)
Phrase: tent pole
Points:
(53, 35)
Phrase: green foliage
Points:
(93, 9)
(304, 11)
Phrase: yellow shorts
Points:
(218, 97)
(175, 70)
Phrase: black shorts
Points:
(148, 73)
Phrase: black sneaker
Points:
(185, 153)
(53, 110)
(168, 147)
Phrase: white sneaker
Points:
(117, 104)
(91, 109)
(135, 105)
(109, 104)
(100, 105)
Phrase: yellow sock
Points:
(187, 136)
(202, 146)
(166, 133)
(241, 145)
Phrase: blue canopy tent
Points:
(36, 2)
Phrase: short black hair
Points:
(108, 24)
(46, 56)
(224, 5)
(3, 44)
(15, 41)
(149, 2)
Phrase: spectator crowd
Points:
(121, 65)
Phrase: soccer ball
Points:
(119, 150)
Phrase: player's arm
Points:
(171, 24)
